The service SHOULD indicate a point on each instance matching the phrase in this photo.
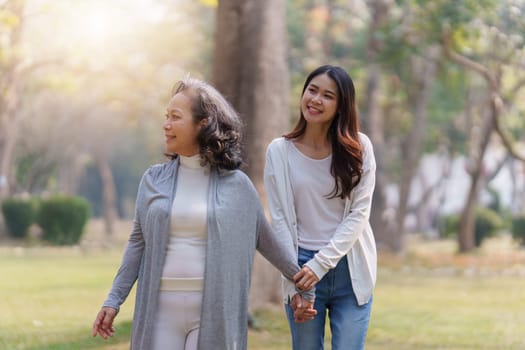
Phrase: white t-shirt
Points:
(317, 215)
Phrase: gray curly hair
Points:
(220, 138)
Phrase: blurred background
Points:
(441, 93)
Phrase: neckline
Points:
(308, 157)
(192, 162)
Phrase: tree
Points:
(374, 123)
(492, 66)
(11, 86)
(250, 69)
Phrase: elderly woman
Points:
(197, 225)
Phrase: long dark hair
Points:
(220, 138)
(347, 151)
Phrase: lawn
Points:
(428, 299)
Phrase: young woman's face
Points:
(179, 128)
(319, 100)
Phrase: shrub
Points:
(62, 219)
(488, 222)
(19, 214)
(518, 229)
(448, 226)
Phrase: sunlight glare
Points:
(96, 26)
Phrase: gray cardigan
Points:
(236, 228)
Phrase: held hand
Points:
(303, 309)
(305, 279)
(103, 324)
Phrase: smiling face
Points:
(319, 100)
(180, 128)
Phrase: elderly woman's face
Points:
(179, 128)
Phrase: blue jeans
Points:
(348, 320)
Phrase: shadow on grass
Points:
(82, 340)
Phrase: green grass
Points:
(425, 311)
(50, 296)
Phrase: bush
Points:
(19, 214)
(448, 226)
(62, 219)
(488, 222)
(518, 229)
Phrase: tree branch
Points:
(519, 85)
(467, 62)
(507, 142)
(497, 101)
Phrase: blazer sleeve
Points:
(128, 271)
(353, 225)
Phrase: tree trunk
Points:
(10, 90)
(69, 174)
(374, 126)
(109, 193)
(9, 138)
(251, 70)
(424, 70)
(466, 226)
(466, 239)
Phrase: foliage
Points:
(518, 229)
(495, 200)
(133, 153)
(210, 3)
(435, 17)
(487, 223)
(446, 105)
(100, 74)
(448, 225)
(96, 81)
(62, 219)
(19, 214)
(33, 170)
(89, 182)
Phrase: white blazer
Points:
(353, 237)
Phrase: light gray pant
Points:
(178, 320)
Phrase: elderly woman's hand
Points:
(103, 324)
(303, 309)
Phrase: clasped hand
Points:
(303, 309)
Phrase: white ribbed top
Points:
(186, 251)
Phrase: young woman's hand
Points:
(305, 279)
(103, 324)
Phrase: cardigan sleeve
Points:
(273, 195)
(278, 250)
(275, 203)
(129, 268)
(353, 225)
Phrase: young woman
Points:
(319, 180)
(197, 224)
